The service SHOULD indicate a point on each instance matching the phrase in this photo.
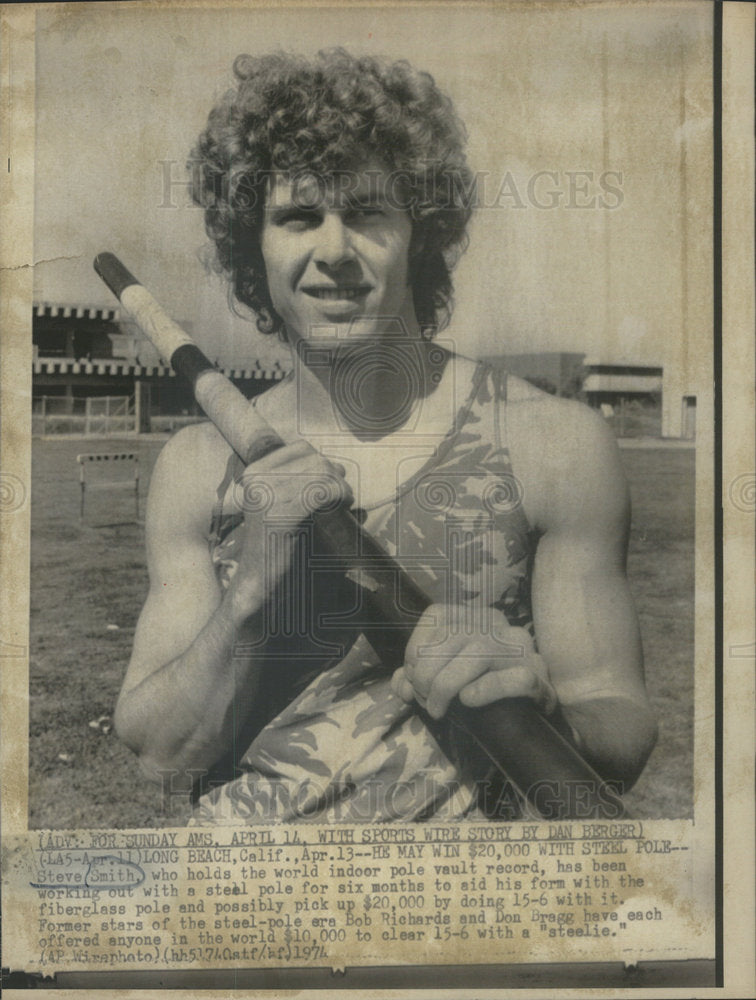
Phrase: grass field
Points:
(89, 577)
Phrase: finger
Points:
(401, 686)
(323, 490)
(301, 486)
(283, 456)
(422, 671)
(396, 679)
(518, 682)
(301, 455)
(457, 674)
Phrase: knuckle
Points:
(322, 490)
(301, 447)
(254, 492)
(411, 670)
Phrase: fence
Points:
(109, 415)
(99, 462)
(91, 415)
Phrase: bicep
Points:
(183, 591)
(585, 620)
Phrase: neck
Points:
(369, 387)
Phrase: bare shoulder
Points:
(185, 480)
(566, 457)
(574, 424)
(200, 441)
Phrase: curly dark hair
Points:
(330, 114)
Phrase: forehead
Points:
(338, 189)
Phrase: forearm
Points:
(183, 716)
(615, 735)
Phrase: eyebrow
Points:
(282, 209)
(351, 201)
(357, 200)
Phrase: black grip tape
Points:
(189, 362)
(113, 273)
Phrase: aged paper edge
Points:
(737, 447)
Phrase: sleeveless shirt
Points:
(330, 741)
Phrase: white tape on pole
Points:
(166, 335)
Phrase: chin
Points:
(350, 332)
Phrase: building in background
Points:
(635, 397)
(609, 383)
(82, 352)
(558, 372)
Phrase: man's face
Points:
(336, 254)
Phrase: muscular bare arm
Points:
(585, 621)
(588, 657)
(188, 690)
(175, 708)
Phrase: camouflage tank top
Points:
(330, 741)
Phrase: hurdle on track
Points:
(104, 458)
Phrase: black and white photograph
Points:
(514, 364)
(372, 413)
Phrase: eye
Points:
(299, 219)
(364, 213)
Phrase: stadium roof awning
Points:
(52, 309)
(125, 368)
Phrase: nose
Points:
(334, 244)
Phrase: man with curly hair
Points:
(337, 193)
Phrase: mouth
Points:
(340, 293)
